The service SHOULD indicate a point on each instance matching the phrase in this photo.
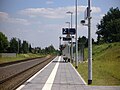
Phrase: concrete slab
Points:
(39, 80)
(66, 78)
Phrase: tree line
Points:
(108, 30)
(109, 27)
(84, 41)
(15, 45)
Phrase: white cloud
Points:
(19, 21)
(54, 12)
(102, 15)
(49, 2)
(44, 12)
(48, 28)
(96, 10)
(4, 17)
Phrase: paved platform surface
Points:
(59, 75)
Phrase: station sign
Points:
(72, 42)
(65, 31)
(66, 38)
(71, 31)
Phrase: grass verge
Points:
(19, 57)
(106, 62)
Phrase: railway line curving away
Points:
(14, 74)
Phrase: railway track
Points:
(13, 75)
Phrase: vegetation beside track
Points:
(106, 62)
(18, 77)
(19, 57)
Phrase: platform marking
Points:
(79, 75)
(50, 80)
(19, 88)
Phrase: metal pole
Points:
(71, 19)
(60, 46)
(76, 63)
(71, 16)
(71, 38)
(89, 46)
(68, 24)
(18, 46)
(71, 41)
(71, 50)
(68, 41)
(60, 41)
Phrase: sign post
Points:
(76, 63)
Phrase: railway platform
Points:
(59, 75)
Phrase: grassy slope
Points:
(19, 57)
(106, 65)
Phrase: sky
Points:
(40, 22)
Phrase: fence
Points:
(8, 54)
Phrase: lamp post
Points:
(60, 45)
(60, 41)
(89, 45)
(76, 63)
(89, 42)
(71, 16)
(18, 46)
(71, 37)
(68, 36)
(68, 24)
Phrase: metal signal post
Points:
(89, 45)
(76, 63)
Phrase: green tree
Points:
(109, 27)
(25, 47)
(46, 50)
(43, 51)
(3, 43)
(14, 47)
(51, 49)
(30, 48)
(82, 41)
(20, 46)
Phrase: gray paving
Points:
(66, 79)
(38, 82)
